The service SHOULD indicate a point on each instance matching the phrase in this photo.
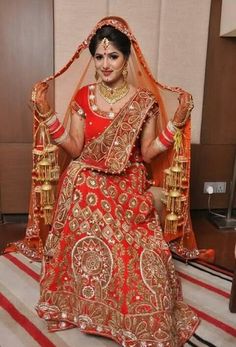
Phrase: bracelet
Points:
(161, 147)
(62, 138)
(44, 115)
(51, 120)
(171, 127)
(56, 129)
(166, 138)
(181, 124)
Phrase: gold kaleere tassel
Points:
(183, 162)
(47, 194)
(167, 179)
(52, 155)
(46, 172)
(173, 188)
(176, 177)
(174, 201)
(47, 214)
(171, 223)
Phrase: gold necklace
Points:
(112, 95)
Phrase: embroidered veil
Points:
(170, 170)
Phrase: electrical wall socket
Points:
(218, 187)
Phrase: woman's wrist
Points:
(44, 114)
(56, 129)
(166, 138)
(179, 124)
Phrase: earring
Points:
(96, 76)
(125, 72)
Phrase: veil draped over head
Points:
(171, 168)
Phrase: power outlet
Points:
(218, 187)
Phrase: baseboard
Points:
(14, 218)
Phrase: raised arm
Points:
(73, 140)
(151, 145)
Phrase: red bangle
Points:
(164, 141)
(54, 126)
(58, 133)
(168, 134)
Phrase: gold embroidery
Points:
(123, 198)
(91, 199)
(120, 263)
(106, 205)
(111, 150)
(92, 259)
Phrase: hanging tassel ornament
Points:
(174, 201)
(183, 162)
(174, 187)
(47, 214)
(46, 171)
(176, 176)
(171, 223)
(167, 179)
(47, 197)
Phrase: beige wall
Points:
(26, 57)
(172, 34)
(228, 18)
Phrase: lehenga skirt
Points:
(110, 271)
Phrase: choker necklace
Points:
(112, 95)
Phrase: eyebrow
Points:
(107, 53)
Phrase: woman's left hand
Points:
(183, 111)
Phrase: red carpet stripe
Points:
(211, 272)
(228, 329)
(201, 314)
(25, 323)
(204, 285)
(215, 267)
(23, 267)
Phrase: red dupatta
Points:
(79, 71)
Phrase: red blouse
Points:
(95, 123)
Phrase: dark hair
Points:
(120, 40)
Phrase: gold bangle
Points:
(179, 125)
(43, 115)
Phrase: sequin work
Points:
(111, 272)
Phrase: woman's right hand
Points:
(41, 101)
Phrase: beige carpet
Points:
(206, 290)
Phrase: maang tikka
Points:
(105, 43)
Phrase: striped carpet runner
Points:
(206, 290)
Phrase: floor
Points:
(207, 235)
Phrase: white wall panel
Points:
(143, 17)
(74, 20)
(172, 34)
(182, 50)
(228, 18)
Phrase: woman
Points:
(107, 268)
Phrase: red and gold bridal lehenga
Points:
(111, 271)
(107, 266)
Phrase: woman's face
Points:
(109, 63)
